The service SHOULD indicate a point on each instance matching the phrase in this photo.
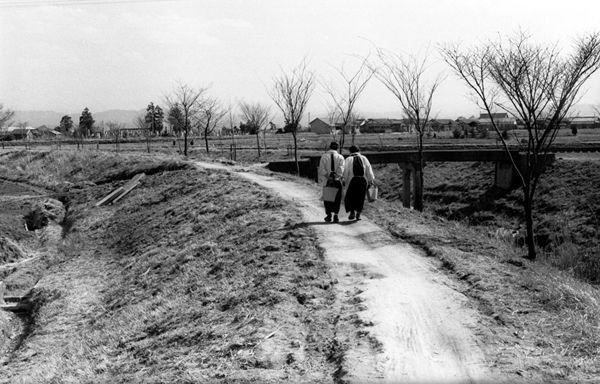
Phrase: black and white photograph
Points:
(277, 191)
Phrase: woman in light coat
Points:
(358, 175)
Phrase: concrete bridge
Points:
(504, 177)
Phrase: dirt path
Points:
(423, 324)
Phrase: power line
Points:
(41, 3)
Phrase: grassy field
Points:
(280, 145)
(172, 284)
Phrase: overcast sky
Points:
(65, 55)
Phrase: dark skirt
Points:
(355, 194)
(334, 206)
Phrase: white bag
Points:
(329, 194)
(372, 193)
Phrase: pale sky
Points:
(66, 55)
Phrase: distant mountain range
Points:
(51, 119)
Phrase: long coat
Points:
(349, 173)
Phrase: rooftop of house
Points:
(495, 115)
(584, 119)
(443, 121)
(14, 128)
(384, 121)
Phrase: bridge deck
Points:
(493, 155)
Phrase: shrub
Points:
(483, 132)
(457, 133)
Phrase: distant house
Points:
(580, 122)
(464, 122)
(20, 133)
(320, 127)
(43, 132)
(502, 119)
(441, 125)
(384, 125)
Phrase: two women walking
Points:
(355, 172)
(359, 176)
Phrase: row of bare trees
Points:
(532, 82)
(192, 109)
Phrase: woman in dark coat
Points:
(358, 175)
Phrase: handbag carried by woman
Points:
(330, 190)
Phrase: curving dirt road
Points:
(424, 326)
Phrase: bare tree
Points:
(140, 122)
(333, 119)
(189, 100)
(6, 116)
(404, 76)
(268, 127)
(256, 116)
(344, 98)
(291, 92)
(355, 119)
(210, 115)
(535, 85)
(113, 128)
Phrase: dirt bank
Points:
(173, 285)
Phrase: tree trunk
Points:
(529, 237)
(206, 141)
(258, 144)
(419, 177)
(185, 145)
(265, 141)
(296, 154)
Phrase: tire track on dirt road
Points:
(424, 326)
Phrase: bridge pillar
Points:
(417, 187)
(408, 174)
(504, 175)
(314, 168)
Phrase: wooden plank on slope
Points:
(110, 197)
(130, 186)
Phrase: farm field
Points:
(282, 144)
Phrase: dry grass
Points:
(567, 209)
(59, 169)
(538, 323)
(194, 277)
